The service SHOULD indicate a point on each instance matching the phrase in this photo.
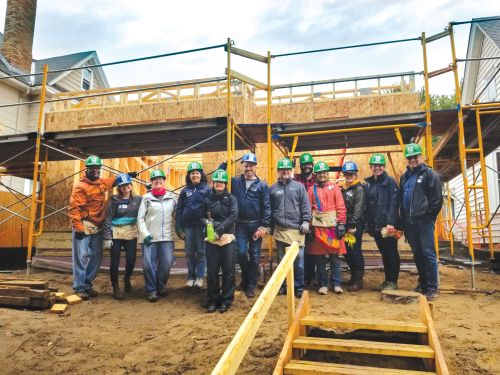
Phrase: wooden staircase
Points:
(299, 342)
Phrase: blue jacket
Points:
(190, 205)
(254, 203)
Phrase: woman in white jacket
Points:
(156, 226)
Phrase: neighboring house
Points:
(484, 41)
(16, 58)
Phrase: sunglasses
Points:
(412, 157)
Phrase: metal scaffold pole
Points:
(229, 135)
(270, 160)
(34, 199)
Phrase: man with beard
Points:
(307, 178)
(86, 212)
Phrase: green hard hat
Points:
(306, 158)
(412, 149)
(93, 160)
(220, 175)
(194, 166)
(377, 159)
(157, 173)
(285, 163)
(321, 166)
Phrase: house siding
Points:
(73, 81)
(486, 67)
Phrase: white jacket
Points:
(156, 217)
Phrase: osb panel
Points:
(14, 232)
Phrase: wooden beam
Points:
(248, 54)
(247, 79)
(232, 357)
(319, 368)
(368, 324)
(364, 347)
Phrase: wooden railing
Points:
(213, 88)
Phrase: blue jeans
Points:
(87, 255)
(335, 278)
(298, 265)
(194, 246)
(157, 261)
(248, 253)
(420, 236)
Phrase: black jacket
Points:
(382, 202)
(354, 199)
(427, 197)
(223, 211)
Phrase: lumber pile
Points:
(30, 293)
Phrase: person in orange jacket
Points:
(87, 214)
(328, 221)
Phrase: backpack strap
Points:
(316, 197)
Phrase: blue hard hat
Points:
(250, 157)
(123, 179)
(349, 166)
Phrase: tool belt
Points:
(90, 228)
(324, 219)
(223, 240)
(288, 235)
(125, 232)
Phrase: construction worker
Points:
(156, 226)
(291, 215)
(354, 198)
(328, 221)
(253, 223)
(307, 178)
(187, 223)
(86, 212)
(382, 213)
(219, 213)
(120, 231)
(421, 201)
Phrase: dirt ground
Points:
(176, 336)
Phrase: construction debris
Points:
(24, 297)
(59, 308)
(73, 299)
(399, 296)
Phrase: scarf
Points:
(158, 192)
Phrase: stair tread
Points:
(368, 324)
(363, 346)
(296, 367)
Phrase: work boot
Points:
(92, 293)
(431, 294)
(381, 286)
(250, 293)
(117, 294)
(419, 289)
(389, 286)
(128, 285)
(357, 283)
(152, 297)
(212, 307)
(83, 295)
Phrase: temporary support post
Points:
(270, 158)
(463, 157)
(449, 219)
(34, 199)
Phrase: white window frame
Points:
(490, 93)
(91, 81)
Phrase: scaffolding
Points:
(283, 136)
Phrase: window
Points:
(490, 94)
(498, 175)
(86, 79)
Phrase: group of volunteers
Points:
(220, 228)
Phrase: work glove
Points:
(222, 165)
(304, 228)
(148, 240)
(340, 230)
(133, 174)
(180, 233)
(108, 244)
(79, 235)
(149, 187)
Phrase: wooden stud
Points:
(368, 324)
(59, 308)
(318, 368)
(14, 301)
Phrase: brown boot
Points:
(117, 294)
(357, 283)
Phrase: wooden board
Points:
(365, 347)
(33, 284)
(308, 367)
(73, 299)
(14, 301)
(59, 308)
(399, 296)
(24, 292)
(60, 296)
(368, 324)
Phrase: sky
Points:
(123, 29)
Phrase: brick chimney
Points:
(18, 34)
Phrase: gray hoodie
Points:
(289, 204)
(156, 217)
